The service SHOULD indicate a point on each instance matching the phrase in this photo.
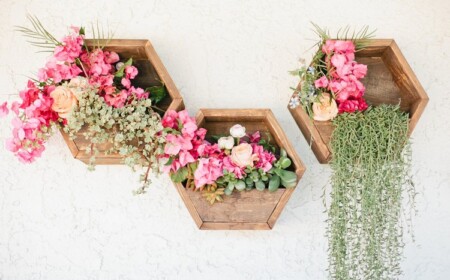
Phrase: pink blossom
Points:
(185, 158)
(70, 49)
(265, 158)
(139, 92)
(338, 60)
(170, 119)
(229, 166)
(13, 144)
(255, 137)
(15, 107)
(126, 83)
(26, 156)
(130, 72)
(111, 57)
(352, 105)
(207, 172)
(175, 143)
(359, 70)
(322, 82)
(4, 111)
(116, 100)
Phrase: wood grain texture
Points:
(151, 73)
(389, 80)
(247, 210)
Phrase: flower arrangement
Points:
(332, 85)
(238, 161)
(88, 89)
(370, 161)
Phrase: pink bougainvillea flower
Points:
(229, 166)
(4, 111)
(116, 100)
(185, 158)
(170, 119)
(138, 92)
(359, 70)
(322, 82)
(352, 105)
(255, 137)
(26, 156)
(15, 107)
(338, 60)
(207, 172)
(175, 143)
(265, 158)
(130, 72)
(126, 83)
(111, 57)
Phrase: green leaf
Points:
(169, 162)
(180, 175)
(120, 72)
(229, 189)
(285, 162)
(283, 153)
(288, 178)
(156, 93)
(260, 186)
(240, 185)
(274, 183)
(249, 181)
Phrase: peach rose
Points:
(242, 155)
(64, 100)
(325, 109)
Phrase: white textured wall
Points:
(59, 221)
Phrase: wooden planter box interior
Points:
(151, 73)
(389, 80)
(246, 210)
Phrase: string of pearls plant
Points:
(371, 173)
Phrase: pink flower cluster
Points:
(61, 66)
(70, 60)
(186, 144)
(32, 120)
(99, 67)
(344, 75)
(34, 115)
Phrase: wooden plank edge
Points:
(234, 226)
(280, 206)
(161, 70)
(311, 134)
(282, 138)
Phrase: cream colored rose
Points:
(237, 131)
(64, 100)
(242, 155)
(226, 142)
(325, 109)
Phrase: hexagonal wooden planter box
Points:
(249, 210)
(389, 80)
(151, 73)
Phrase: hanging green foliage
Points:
(371, 173)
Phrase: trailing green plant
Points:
(371, 173)
(134, 131)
